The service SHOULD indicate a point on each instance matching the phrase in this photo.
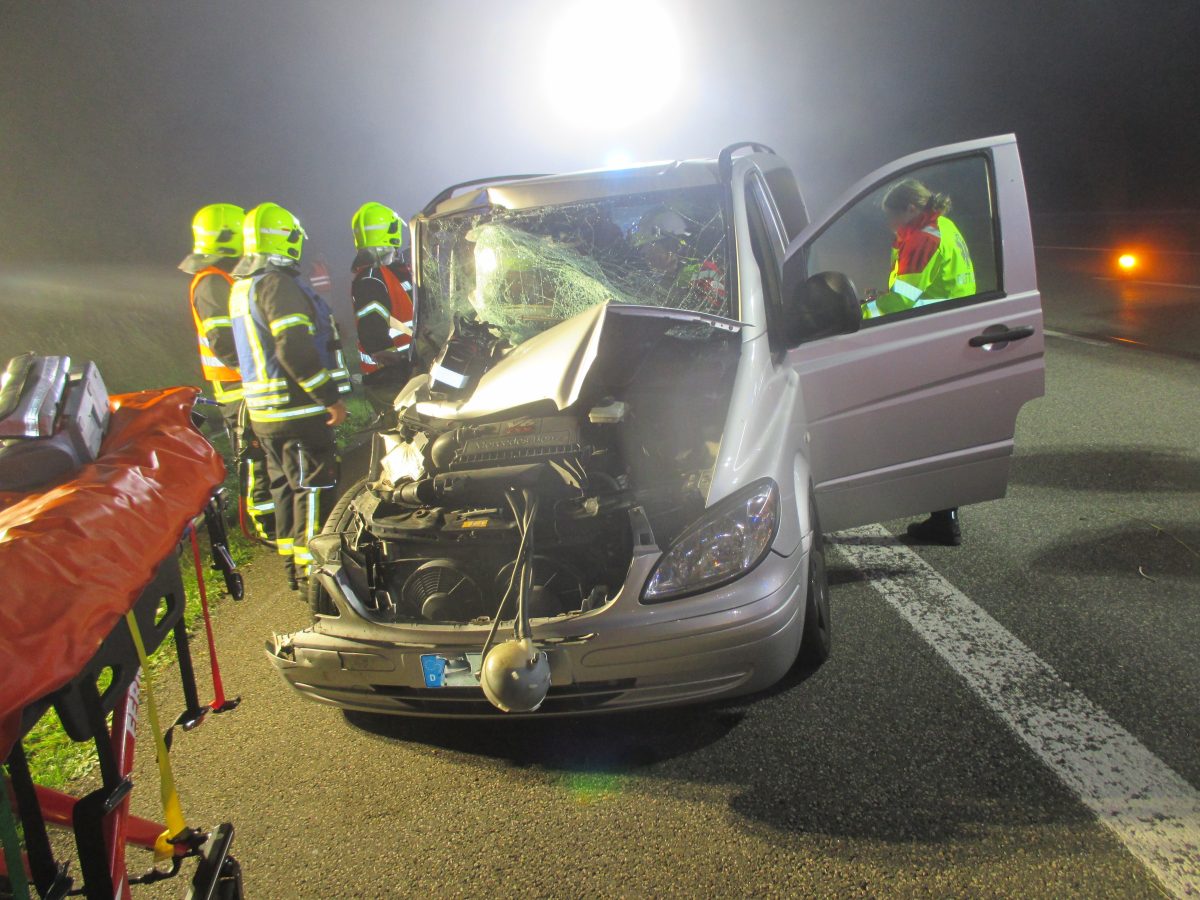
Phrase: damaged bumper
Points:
(625, 656)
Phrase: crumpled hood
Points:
(553, 365)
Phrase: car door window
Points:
(924, 241)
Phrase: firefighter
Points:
(293, 377)
(217, 232)
(930, 263)
(662, 238)
(383, 307)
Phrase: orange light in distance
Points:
(1127, 261)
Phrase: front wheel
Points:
(817, 640)
(340, 519)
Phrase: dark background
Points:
(118, 120)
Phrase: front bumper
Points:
(738, 640)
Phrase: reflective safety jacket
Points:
(381, 303)
(930, 263)
(288, 346)
(208, 297)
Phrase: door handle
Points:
(1001, 334)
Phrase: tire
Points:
(339, 519)
(817, 641)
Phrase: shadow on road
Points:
(617, 743)
(1160, 552)
(1083, 469)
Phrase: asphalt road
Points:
(882, 773)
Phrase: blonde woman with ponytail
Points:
(930, 259)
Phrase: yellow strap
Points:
(172, 810)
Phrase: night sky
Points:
(118, 120)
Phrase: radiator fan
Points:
(440, 591)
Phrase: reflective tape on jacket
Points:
(269, 395)
(906, 290)
(214, 370)
(947, 275)
(401, 311)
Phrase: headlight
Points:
(724, 544)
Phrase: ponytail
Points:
(938, 203)
(911, 192)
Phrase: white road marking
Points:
(1112, 250)
(1145, 803)
(1167, 284)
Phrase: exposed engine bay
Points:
(472, 509)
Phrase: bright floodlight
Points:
(611, 64)
(618, 159)
(1127, 261)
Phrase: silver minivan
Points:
(640, 397)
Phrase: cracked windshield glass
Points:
(526, 270)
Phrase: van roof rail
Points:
(725, 159)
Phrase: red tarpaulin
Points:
(75, 558)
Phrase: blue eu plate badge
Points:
(451, 670)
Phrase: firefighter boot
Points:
(290, 570)
(942, 527)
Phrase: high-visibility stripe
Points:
(906, 290)
(931, 230)
(373, 308)
(282, 415)
(317, 380)
(244, 290)
(285, 322)
(272, 384)
(214, 369)
(399, 315)
(226, 395)
(283, 546)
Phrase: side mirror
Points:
(824, 305)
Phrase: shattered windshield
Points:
(526, 270)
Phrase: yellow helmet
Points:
(269, 228)
(217, 230)
(376, 225)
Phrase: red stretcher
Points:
(90, 572)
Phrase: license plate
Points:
(451, 669)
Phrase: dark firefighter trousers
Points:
(303, 468)
(253, 483)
